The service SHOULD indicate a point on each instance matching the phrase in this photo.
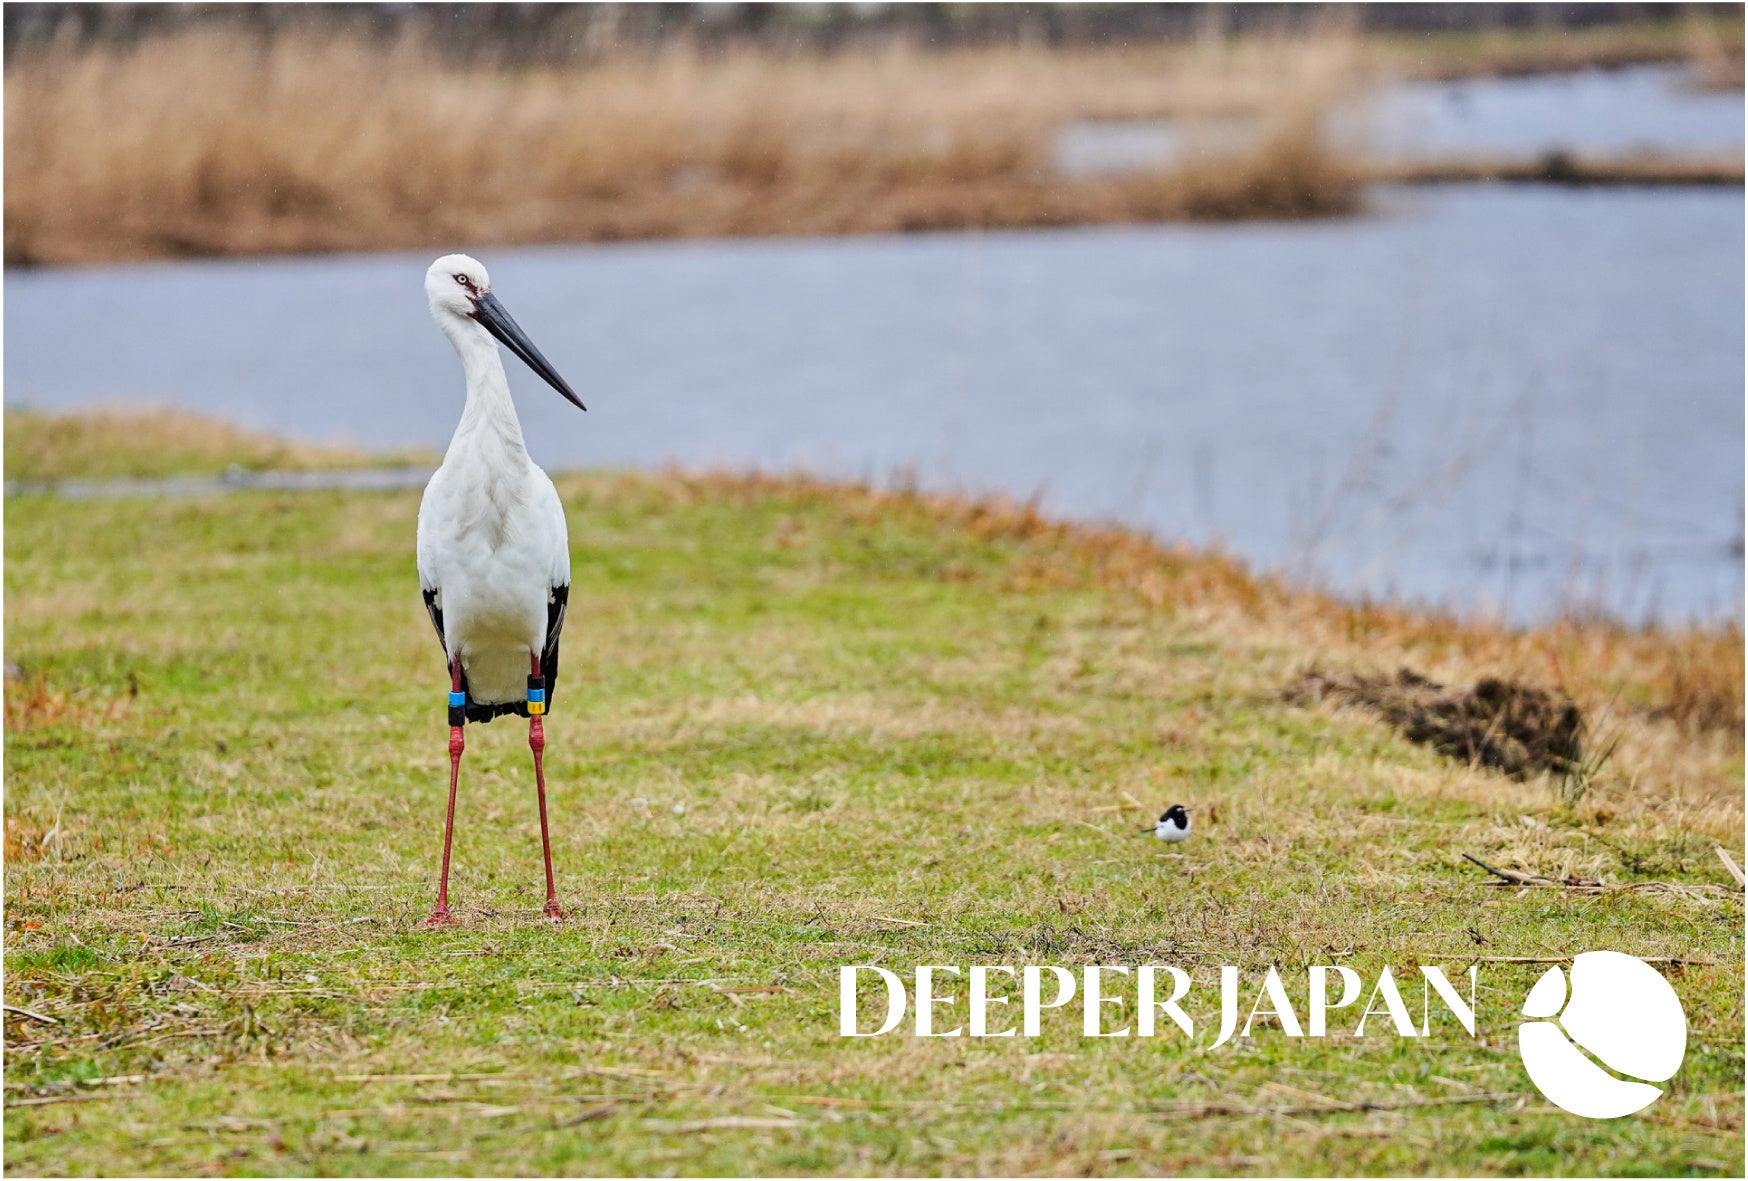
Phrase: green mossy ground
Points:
(790, 734)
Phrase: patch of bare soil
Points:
(1517, 728)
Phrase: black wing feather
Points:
(436, 614)
(555, 608)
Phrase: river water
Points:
(1591, 112)
(1643, 108)
(1511, 401)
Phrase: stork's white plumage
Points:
(494, 555)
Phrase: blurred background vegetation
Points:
(549, 34)
(138, 130)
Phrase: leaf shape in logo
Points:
(1562, 1073)
(1545, 999)
(1625, 1013)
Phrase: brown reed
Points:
(213, 142)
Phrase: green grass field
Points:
(797, 727)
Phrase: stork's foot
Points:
(440, 918)
(552, 910)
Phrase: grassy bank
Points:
(799, 726)
(133, 442)
(311, 142)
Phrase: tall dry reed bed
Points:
(215, 143)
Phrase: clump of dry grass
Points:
(32, 703)
(310, 142)
(1288, 172)
(133, 442)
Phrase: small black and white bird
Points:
(1174, 825)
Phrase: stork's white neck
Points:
(489, 418)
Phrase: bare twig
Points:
(1593, 886)
(595, 1111)
(1198, 1110)
(1301, 1093)
(1518, 878)
(1511, 875)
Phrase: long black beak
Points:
(488, 311)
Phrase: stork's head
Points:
(460, 294)
(454, 283)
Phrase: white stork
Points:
(494, 558)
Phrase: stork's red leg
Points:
(440, 915)
(537, 743)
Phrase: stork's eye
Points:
(462, 279)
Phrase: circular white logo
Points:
(1624, 1013)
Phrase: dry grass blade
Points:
(1730, 864)
(34, 1016)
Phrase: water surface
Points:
(1596, 112)
(1507, 400)
(1644, 108)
